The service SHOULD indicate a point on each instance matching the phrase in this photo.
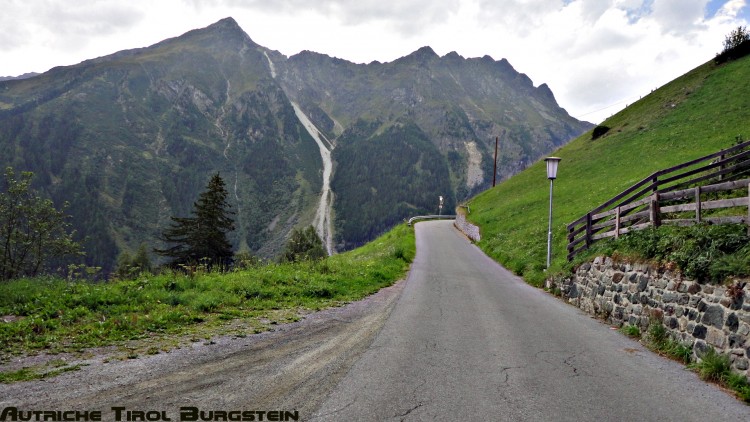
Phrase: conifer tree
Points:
(202, 238)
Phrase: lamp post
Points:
(552, 163)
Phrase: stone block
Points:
(716, 337)
(683, 299)
(700, 332)
(744, 329)
(693, 315)
(702, 306)
(643, 280)
(736, 340)
(694, 288)
(682, 288)
(714, 316)
(573, 291)
(632, 277)
(618, 312)
(709, 290)
(669, 297)
(671, 285)
(617, 277)
(694, 301)
(741, 364)
(682, 323)
(700, 348)
(732, 323)
(672, 323)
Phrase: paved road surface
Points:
(469, 341)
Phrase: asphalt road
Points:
(467, 340)
(461, 339)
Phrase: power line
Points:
(626, 101)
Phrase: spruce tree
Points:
(202, 238)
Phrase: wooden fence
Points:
(666, 196)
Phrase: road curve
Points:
(467, 340)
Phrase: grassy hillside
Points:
(701, 112)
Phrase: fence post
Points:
(654, 208)
(588, 230)
(653, 183)
(697, 204)
(617, 223)
(721, 168)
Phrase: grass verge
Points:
(54, 316)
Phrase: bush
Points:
(303, 245)
(736, 45)
(713, 366)
(631, 331)
(598, 132)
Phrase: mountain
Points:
(459, 105)
(131, 139)
(24, 76)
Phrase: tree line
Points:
(36, 237)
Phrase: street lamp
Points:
(440, 207)
(552, 163)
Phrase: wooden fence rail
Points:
(666, 195)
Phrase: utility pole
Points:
(494, 171)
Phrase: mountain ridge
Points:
(137, 132)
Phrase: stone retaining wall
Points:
(696, 314)
(470, 230)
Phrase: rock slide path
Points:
(460, 339)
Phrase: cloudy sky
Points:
(596, 55)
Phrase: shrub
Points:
(303, 245)
(598, 132)
(736, 45)
(713, 366)
(631, 331)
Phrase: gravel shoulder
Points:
(291, 368)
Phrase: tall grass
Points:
(56, 315)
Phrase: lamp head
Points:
(552, 163)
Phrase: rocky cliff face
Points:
(131, 139)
